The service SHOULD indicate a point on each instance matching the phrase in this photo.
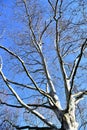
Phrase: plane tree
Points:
(45, 71)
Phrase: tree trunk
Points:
(67, 117)
(69, 120)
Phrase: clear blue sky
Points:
(8, 26)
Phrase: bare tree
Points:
(50, 65)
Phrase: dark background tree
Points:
(43, 73)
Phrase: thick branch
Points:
(74, 71)
(78, 96)
(76, 63)
(61, 62)
(57, 40)
(39, 49)
(41, 55)
(25, 105)
(50, 83)
(28, 74)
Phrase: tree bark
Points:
(69, 120)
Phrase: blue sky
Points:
(10, 25)
(6, 21)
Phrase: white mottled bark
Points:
(68, 119)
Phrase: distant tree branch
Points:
(32, 105)
(51, 5)
(34, 39)
(22, 85)
(25, 127)
(57, 13)
(82, 125)
(45, 28)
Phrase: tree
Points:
(50, 62)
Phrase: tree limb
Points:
(36, 44)
(22, 85)
(28, 74)
(25, 105)
(61, 62)
(79, 96)
(74, 71)
(45, 28)
(39, 49)
(32, 105)
(76, 63)
(51, 5)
